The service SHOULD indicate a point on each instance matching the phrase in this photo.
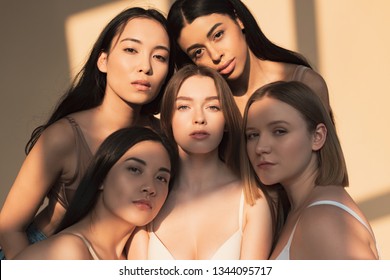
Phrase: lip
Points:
(265, 164)
(227, 68)
(143, 204)
(141, 85)
(199, 134)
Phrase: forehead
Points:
(152, 152)
(266, 110)
(148, 31)
(201, 26)
(198, 86)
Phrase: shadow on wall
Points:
(306, 26)
(376, 207)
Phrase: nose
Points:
(145, 66)
(215, 55)
(149, 189)
(262, 147)
(199, 117)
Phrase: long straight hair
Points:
(231, 137)
(88, 87)
(109, 152)
(331, 165)
(186, 11)
(332, 169)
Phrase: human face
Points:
(137, 185)
(137, 63)
(279, 145)
(216, 41)
(198, 122)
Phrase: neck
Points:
(300, 189)
(107, 233)
(255, 75)
(200, 172)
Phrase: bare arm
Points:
(57, 247)
(257, 233)
(40, 170)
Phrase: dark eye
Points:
(218, 35)
(161, 58)
(163, 179)
(130, 50)
(197, 54)
(134, 170)
(280, 131)
(252, 135)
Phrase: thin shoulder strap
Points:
(299, 72)
(241, 210)
(288, 245)
(79, 134)
(87, 244)
(351, 212)
(345, 208)
(337, 204)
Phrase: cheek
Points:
(162, 196)
(179, 123)
(219, 125)
(161, 72)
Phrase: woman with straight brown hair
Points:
(291, 142)
(209, 214)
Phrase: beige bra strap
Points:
(299, 72)
(87, 244)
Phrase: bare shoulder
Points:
(317, 83)
(57, 247)
(257, 230)
(328, 232)
(58, 137)
(260, 206)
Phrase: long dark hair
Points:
(186, 11)
(109, 152)
(88, 87)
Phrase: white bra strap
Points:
(241, 210)
(345, 208)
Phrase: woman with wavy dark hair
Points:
(120, 85)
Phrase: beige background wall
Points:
(44, 42)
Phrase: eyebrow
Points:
(278, 122)
(144, 163)
(207, 35)
(269, 124)
(190, 98)
(158, 47)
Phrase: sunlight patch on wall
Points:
(82, 29)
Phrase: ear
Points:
(102, 62)
(239, 22)
(319, 137)
(101, 187)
